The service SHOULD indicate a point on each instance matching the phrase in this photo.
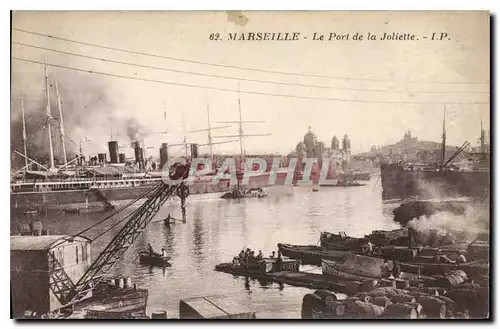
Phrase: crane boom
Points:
(67, 292)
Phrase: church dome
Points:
(310, 138)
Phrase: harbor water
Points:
(218, 229)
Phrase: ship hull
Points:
(398, 183)
(42, 200)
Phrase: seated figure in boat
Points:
(385, 270)
(396, 270)
(151, 250)
(260, 256)
(367, 248)
(163, 252)
(273, 254)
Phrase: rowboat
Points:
(153, 259)
(359, 267)
(261, 267)
(311, 255)
(355, 267)
(340, 241)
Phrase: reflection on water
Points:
(217, 229)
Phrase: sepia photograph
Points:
(250, 165)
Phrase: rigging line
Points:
(118, 211)
(241, 91)
(240, 67)
(247, 79)
(113, 226)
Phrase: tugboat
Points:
(238, 193)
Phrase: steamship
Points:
(80, 182)
(102, 182)
(471, 178)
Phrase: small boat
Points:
(72, 210)
(340, 241)
(261, 267)
(311, 255)
(154, 259)
(355, 267)
(343, 184)
(473, 269)
(251, 193)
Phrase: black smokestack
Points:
(139, 154)
(194, 151)
(113, 151)
(163, 154)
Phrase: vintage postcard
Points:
(250, 165)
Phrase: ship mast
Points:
(240, 131)
(49, 118)
(210, 143)
(483, 148)
(61, 123)
(184, 132)
(443, 144)
(209, 134)
(24, 137)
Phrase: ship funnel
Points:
(102, 158)
(194, 151)
(139, 154)
(113, 151)
(163, 154)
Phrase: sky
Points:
(96, 107)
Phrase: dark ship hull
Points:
(26, 200)
(401, 183)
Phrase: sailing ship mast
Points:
(240, 134)
(443, 143)
(240, 131)
(483, 148)
(210, 142)
(61, 123)
(24, 137)
(48, 120)
(184, 139)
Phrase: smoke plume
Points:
(89, 115)
(135, 130)
(464, 225)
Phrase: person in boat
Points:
(245, 256)
(385, 270)
(461, 259)
(260, 256)
(367, 248)
(396, 270)
(241, 256)
(273, 254)
(150, 249)
(279, 261)
(163, 252)
(236, 261)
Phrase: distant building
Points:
(311, 147)
(310, 141)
